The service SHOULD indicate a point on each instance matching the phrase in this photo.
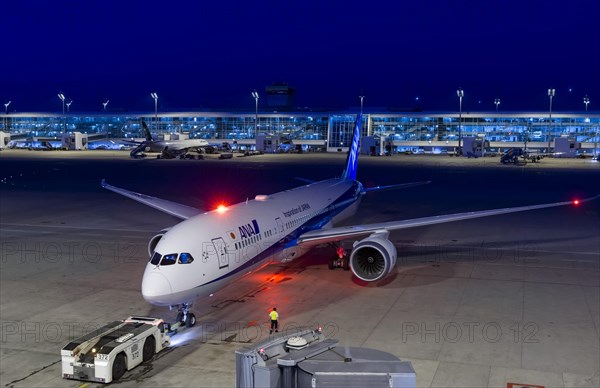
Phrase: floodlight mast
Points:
(256, 97)
(361, 103)
(586, 101)
(155, 96)
(497, 102)
(6, 112)
(62, 98)
(551, 93)
(460, 93)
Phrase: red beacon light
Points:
(262, 354)
(221, 209)
(576, 202)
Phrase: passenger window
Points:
(169, 259)
(155, 259)
(185, 258)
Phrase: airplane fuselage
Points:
(230, 242)
(174, 145)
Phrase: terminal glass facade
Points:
(342, 128)
(496, 128)
(331, 130)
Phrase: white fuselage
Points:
(228, 243)
(174, 145)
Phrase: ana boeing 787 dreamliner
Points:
(210, 249)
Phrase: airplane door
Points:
(279, 225)
(221, 249)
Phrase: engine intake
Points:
(154, 241)
(373, 258)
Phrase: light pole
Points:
(256, 97)
(586, 101)
(6, 112)
(361, 103)
(497, 102)
(551, 93)
(105, 103)
(460, 93)
(155, 96)
(69, 105)
(62, 97)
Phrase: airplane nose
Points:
(155, 285)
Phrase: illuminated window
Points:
(185, 258)
(169, 259)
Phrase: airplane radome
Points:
(208, 250)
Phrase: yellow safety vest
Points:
(274, 315)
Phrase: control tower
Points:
(281, 96)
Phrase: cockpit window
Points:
(155, 259)
(169, 259)
(185, 258)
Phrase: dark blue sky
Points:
(198, 54)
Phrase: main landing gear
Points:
(185, 316)
(340, 260)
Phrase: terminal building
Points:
(434, 132)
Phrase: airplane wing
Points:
(322, 236)
(173, 208)
(305, 180)
(394, 187)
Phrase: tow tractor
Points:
(106, 353)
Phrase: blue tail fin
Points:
(352, 160)
(147, 133)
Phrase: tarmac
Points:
(478, 303)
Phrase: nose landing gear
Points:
(185, 316)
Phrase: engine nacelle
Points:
(154, 241)
(373, 258)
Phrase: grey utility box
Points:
(307, 359)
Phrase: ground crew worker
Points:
(274, 317)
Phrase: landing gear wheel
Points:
(190, 321)
(119, 367)
(149, 349)
(346, 264)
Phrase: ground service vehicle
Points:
(106, 353)
(511, 156)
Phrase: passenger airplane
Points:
(208, 250)
(166, 147)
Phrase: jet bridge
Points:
(75, 141)
(308, 359)
(4, 139)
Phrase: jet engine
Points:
(154, 241)
(373, 258)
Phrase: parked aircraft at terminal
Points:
(210, 249)
(172, 147)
